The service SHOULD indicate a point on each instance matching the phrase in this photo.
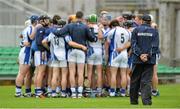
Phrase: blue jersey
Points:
(145, 40)
(41, 33)
(78, 31)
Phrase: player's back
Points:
(57, 46)
(121, 37)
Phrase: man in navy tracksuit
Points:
(145, 46)
(80, 34)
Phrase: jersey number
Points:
(56, 41)
(122, 38)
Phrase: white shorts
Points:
(120, 61)
(96, 58)
(157, 58)
(76, 56)
(49, 63)
(40, 58)
(60, 64)
(25, 56)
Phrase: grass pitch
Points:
(169, 98)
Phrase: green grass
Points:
(169, 98)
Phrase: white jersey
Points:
(98, 43)
(25, 52)
(118, 37)
(25, 33)
(105, 31)
(57, 47)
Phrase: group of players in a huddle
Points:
(89, 56)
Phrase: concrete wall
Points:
(65, 7)
(9, 36)
(169, 16)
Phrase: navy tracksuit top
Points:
(145, 40)
(79, 32)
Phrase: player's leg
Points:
(50, 72)
(113, 80)
(55, 76)
(128, 80)
(108, 76)
(155, 91)
(72, 71)
(28, 81)
(40, 77)
(80, 72)
(118, 82)
(40, 63)
(80, 60)
(89, 75)
(23, 69)
(58, 88)
(99, 79)
(64, 72)
(123, 70)
(123, 81)
(129, 72)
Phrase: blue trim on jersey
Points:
(30, 29)
(111, 47)
(90, 50)
(54, 57)
(27, 55)
(66, 48)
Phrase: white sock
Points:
(73, 90)
(80, 89)
(99, 90)
(58, 89)
(18, 89)
(49, 90)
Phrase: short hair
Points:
(55, 19)
(114, 23)
(79, 15)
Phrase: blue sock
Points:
(28, 90)
(44, 89)
(122, 90)
(39, 91)
(63, 91)
(19, 87)
(112, 90)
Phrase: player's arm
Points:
(34, 29)
(27, 44)
(74, 44)
(126, 45)
(45, 43)
(33, 33)
(100, 33)
(62, 32)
